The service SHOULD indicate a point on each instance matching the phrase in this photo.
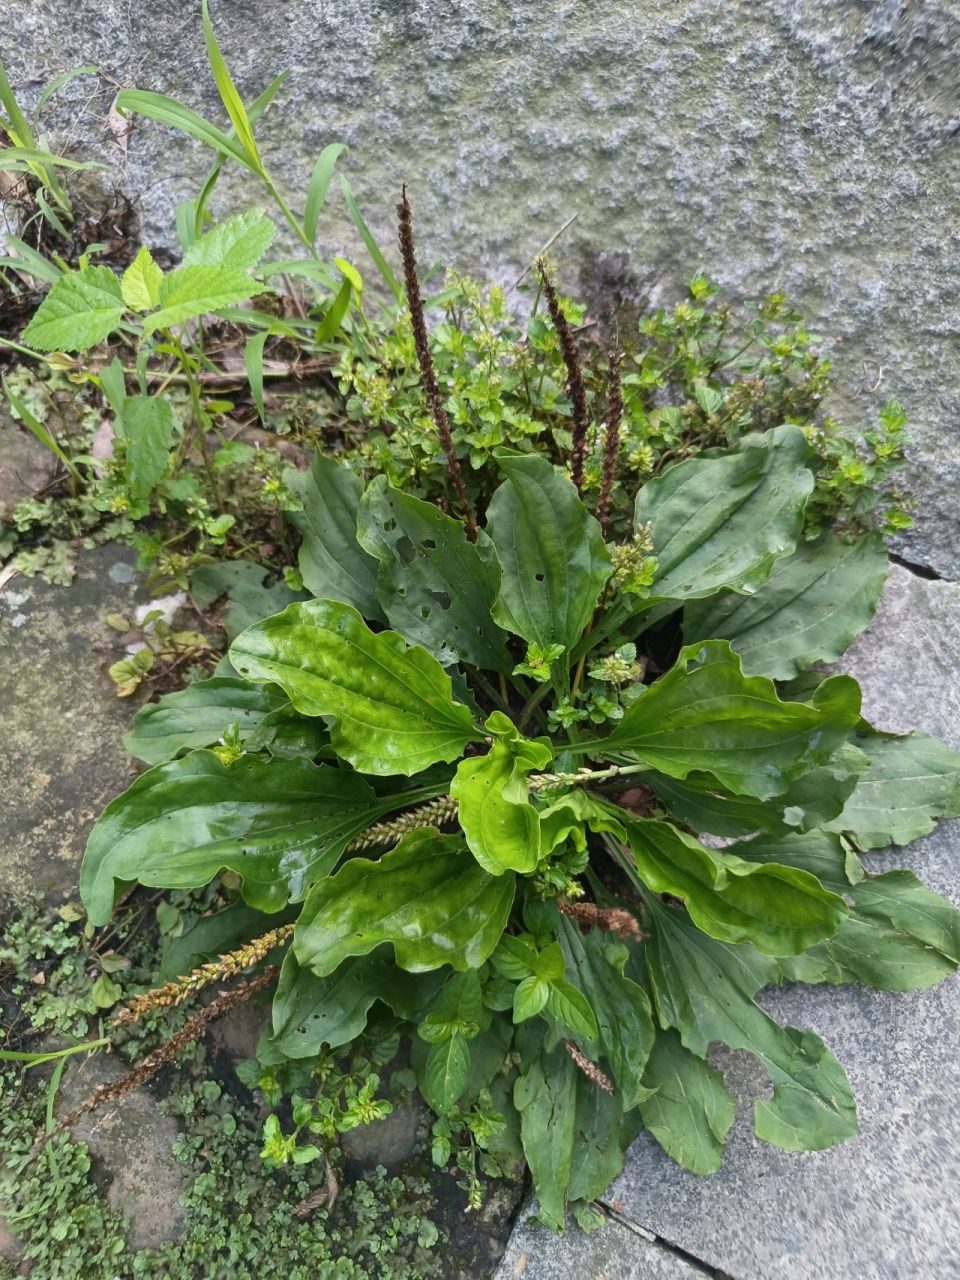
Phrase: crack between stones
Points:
(659, 1242)
(918, 570)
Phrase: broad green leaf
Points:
(551, 552)
(426, 897)
(242, 582)
(446, 1073)
(310, 1012)
(603, 1133)
(195, 291)
(721, 522)
(156, 106)
(687, 1107)
(140, 283)
(393, 708)
(148, 424)
(813, 799)
(333, 564)
(529, 998)
(80, 311)
(706, 716)
(279, 824)
(898, 935)
(705, 989)
(545, 1094)
(811, 607)
(781, 910)
(228, 91)
(425, 563)
(319, 185)
(197, 715)
(622, 1010)
(238, 243)
(910, 783)
(501, 826)
(571, 1009)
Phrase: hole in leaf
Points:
(429, 544)
(442, 599)
(405, 549)
(538, 576)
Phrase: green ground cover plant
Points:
(519, 764)
(553, 803)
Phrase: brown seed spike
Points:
(428, 377)
(589, 1069)
(612, 919)
(611, 443)
(578, 394)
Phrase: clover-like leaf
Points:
(551, 551)
(811, 607)
(392, 706)
(706, 716)
(721, 522)
(427, 897)
(279, 824)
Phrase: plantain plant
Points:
(556, 808)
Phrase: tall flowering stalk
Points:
(611, 443)
(578, 394)
(428, 377)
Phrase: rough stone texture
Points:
(131, 1143)
(61, 755)
(616, 1252)
(808, 145)
(25, 465)
(389, 1141)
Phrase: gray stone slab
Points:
(804, 145)
(615, 1252)
(61, 724)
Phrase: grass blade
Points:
(59, 82)
(253, 360)
(29, 262)
(257, 109)
(17, 128)
(228, 92)
(365, 235)
(27, 157)
(320, 181)
(157, 106)
(38, 429)
(329, 326)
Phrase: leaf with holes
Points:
(333, 564)
(705, 989)
(425, 562)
